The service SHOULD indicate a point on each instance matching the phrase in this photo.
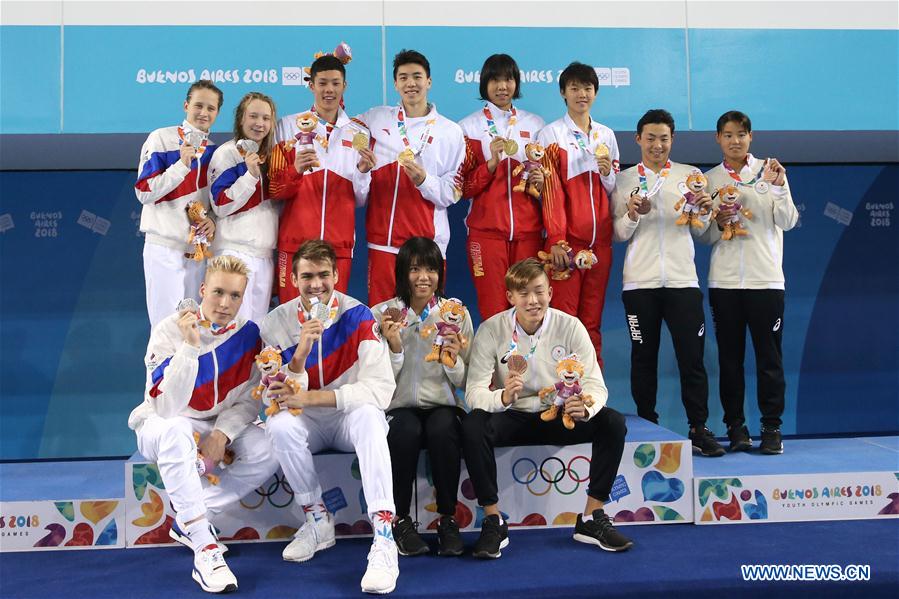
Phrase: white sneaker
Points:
(178, 535)
(383, 568)
(311, 537)
(212, 573)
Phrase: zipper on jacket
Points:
(592, 209)
(661, 237)
(509, 195)
(396, 189)
(215, 377)
(321, 367)
(324, 203)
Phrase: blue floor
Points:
(669, 560)
(807, 456)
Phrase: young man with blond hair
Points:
(200, 374)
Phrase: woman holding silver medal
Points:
(746, 281)
(504, 225)
(248, 221)
(425, 410)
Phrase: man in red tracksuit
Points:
(321, 182)
(582, 156)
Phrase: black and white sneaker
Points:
(494, 538)
(408, 541)
(772, 442)
(739, 438)
(704, 442)
(600, 532)
(449, 541)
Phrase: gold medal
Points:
(510, 147)
(360, 141)
(601, 151)
(406, 156)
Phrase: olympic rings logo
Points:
(291, 76)
(552, 471)
(264, 494)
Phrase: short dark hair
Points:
(500, 66)
(315, 250)
(326, 62)
(734, 116)
(656, 116)
(205, 84)
(410, 57)
(578, 71)
(419, 251)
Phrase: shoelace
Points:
(377, 556)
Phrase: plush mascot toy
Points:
(196, 214)
(569, 370)
(269, 364)
(205, 466)
(452, 315)
(534, 154)
(729, 206)
(696, 183)
(583, 260)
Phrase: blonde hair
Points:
(269, 140)
(522, 273)
(228, 265)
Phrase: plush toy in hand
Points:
(729, 206)
(305, 138)
(205, 466)
(696, 184)
(533, 155)
(570, 370)
(452, 315)
(269, 364)
(196, 214)
(583, 260)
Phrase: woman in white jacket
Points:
(248, 220)
(425, 409)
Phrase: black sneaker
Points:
(739, 438)
(449, 541)
(772, 444)
(704, 442)
(408, 542)
(494, 537)
(599, 531)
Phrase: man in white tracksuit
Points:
(200, 373)
(333, 350)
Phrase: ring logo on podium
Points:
(553, 472)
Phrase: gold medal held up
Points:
(510, 147)
(406, 156)
(360, 141)
(601, 151)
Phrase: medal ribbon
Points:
(215, 329)
(425, 311)
(641, 171)
(736, 177)
(513, 346)
(491, 124)
(181, 135)
(425, 135)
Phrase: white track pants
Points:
(170, 277)
(364, 430)
(170, 443)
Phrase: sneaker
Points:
(599, 531)
(211, 572)
(449, 541)
(772, 443)
(739, 438)
(179, 536)
(383, 567)
(311, 537)
(408, 541)
(704, 442)
(494, 538)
